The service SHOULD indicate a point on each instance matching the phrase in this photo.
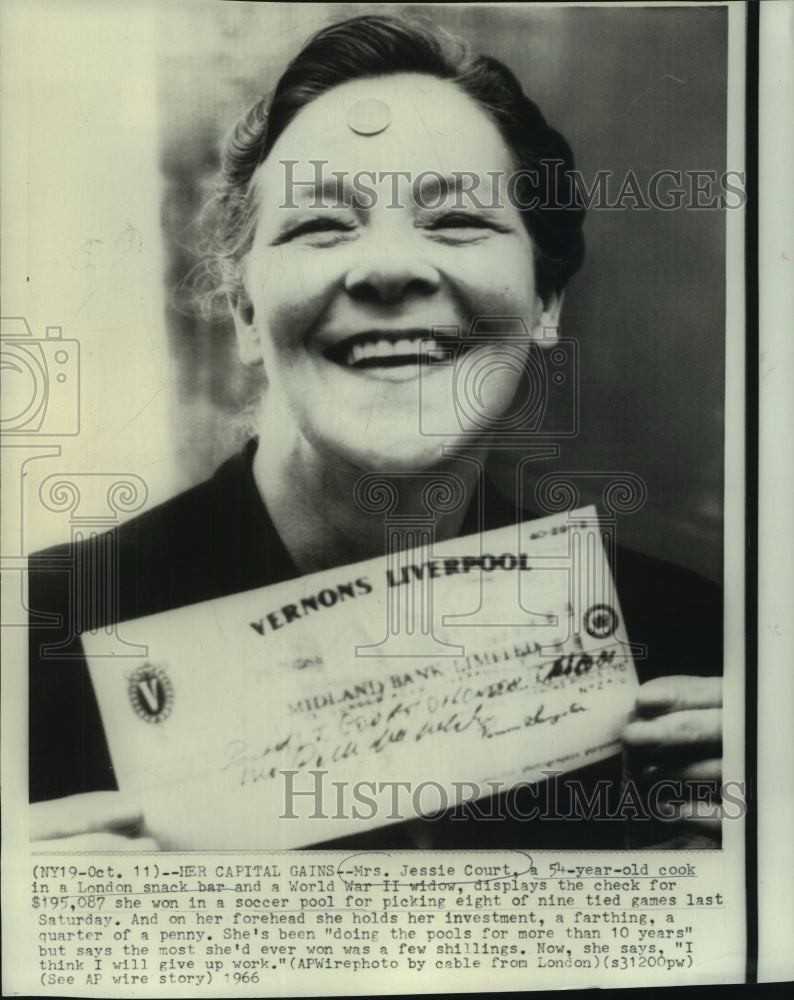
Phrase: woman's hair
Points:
(374, 45)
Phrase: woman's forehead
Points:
(403, 122)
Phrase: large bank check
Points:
(341, 701)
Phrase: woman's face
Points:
(344, 294)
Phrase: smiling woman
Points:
(338, 301)
(387, 229)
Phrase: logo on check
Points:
(151, 693)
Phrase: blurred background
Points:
(632, 89)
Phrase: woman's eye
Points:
(320, 230)
(459, 221)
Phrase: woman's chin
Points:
(390, 454)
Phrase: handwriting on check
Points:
(372, 717)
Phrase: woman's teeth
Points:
(393, 352)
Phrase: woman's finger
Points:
(87, 813)
(705, 817)
(698, 770)
(696, 728)
(678, 693)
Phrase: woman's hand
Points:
(94, 821)
(675, 737)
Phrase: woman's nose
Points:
(388, 274)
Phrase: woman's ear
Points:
(546, 325)
(248, 342)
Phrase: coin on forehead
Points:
(369, 117)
